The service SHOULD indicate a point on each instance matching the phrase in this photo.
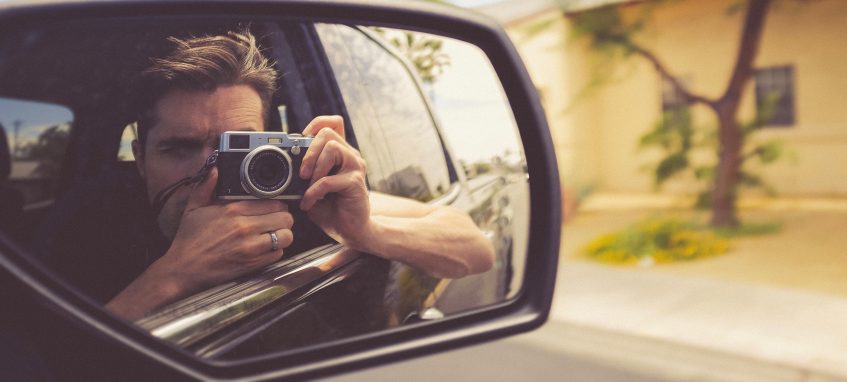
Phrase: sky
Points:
(472, 106)
(34, 118)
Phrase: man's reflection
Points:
(209, 85)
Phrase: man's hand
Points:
(214, 243)
(218, 242)
(337, 197)
(442, 241)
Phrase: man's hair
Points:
(205, 64)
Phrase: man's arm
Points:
(439, 240)
(442, 240)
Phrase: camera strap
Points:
(163, 196)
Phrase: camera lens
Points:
(266, 171)
(269, 171)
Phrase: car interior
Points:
(94, 185)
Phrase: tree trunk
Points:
(731, 141)
(730, 136)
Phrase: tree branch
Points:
(674, 81)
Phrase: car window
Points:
(129, 134)
(476, 121)
(404, 125)
(37, 134)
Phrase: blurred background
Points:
(703, 156)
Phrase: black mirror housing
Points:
(141, 356)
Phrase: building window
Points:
(775, 95)
(672, 98)
(675, 112)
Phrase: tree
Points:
(422, 50)
(606, 30)
(677, 137)
(48, 150)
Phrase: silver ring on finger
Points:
(274, 240)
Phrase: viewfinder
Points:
(239, 141)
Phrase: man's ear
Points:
(138, 153)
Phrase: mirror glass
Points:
(244, 187)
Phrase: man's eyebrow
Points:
(192, 141)
(181, 142)
(218, 138)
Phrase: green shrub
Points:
(656, 241)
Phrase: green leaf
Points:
(670, 166)
(705, 173)
(750, 180)
(536, 28)
(770, 151)
(704, 200)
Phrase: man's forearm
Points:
(445, 243)
(146, 293)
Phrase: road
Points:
(526, 357)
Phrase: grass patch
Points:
(752, 229)
(659, 241)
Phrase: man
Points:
(209, 85)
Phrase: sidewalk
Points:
(773, 309)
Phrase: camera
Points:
(261, 165)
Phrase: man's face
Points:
(188, 129)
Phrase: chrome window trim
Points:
(449, 197)
(206, 313)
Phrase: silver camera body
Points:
(261, 165)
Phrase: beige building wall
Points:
(559, 76)
(698, 40)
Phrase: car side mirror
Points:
(483, 122)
